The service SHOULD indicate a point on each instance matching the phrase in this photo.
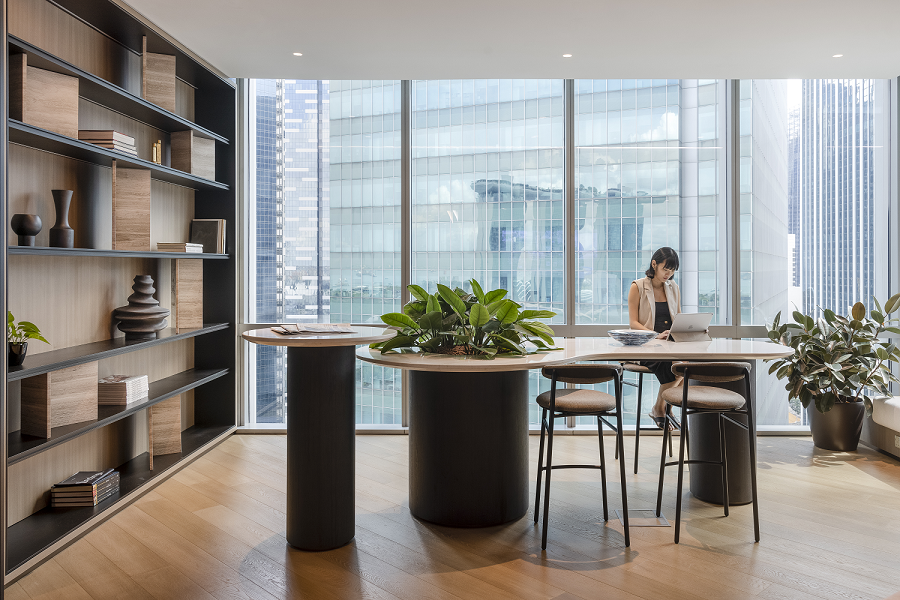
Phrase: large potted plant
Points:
(839, 364)
(479, 324)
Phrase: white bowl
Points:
(632, 337)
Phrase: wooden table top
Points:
(360, 335)
(578, 349)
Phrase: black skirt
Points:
(662, 369)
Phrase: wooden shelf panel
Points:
(21, 446)
(112, 96)
(76, 355)
(46, 251)
(31, 536)
(35, 137)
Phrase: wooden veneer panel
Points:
(131, 209)
(158, 78)
(193, 154)
(59, 398)
(188, 288)
(42, 98)
(164, 421)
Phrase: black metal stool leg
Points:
(547, 480)
(662, 462)
(724, 462)
(637, 425)
(683, 436)
(603, 468)
(620, 442)
(751, 435)
(540, 470)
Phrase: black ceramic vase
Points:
(143, 317)
(15, 353)
(61, 235)
(26, 227)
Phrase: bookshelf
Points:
(70, 292)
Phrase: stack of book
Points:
(122, 389)
(210, 233)
(85, 488)
(180, 247)
(107, 138)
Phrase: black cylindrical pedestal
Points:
(468, 447)
(321, 445)
(706, 480)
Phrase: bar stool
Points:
(640, 370)
(577, 402)
(707, 399)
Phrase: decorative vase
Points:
(61, 235)
(26, 227)
(143, 317)
(838, 429)
(15, 353)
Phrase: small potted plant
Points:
(17, 339)
(480, 324)
(839, 364)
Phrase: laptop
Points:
(690, 327)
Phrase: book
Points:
(122, 389)
(104, 135)
(84, 479)
(179, 247)
(210, 233)
(98, 490)
(75, 502)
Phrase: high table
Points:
(468, 422)
(321, 433)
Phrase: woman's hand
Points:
(664, 335)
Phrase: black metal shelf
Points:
(21, 446)
(32, 535)
(46, 251)
(35, 137)
(39, 364)
(107, 94)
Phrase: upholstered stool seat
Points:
(635, 368)
(579, 401)
(704, 397)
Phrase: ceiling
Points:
(647, 39)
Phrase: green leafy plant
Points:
(483, 324)
(21, 333)
(836, 358)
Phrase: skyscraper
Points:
(839, 192)
(291, 180)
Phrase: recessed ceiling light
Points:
(567, 56)
(837, 56)
(298, 54)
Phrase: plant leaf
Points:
(858, 311)
(537, 314)
(508, 313)
(398, 342)
(478, 315)
(476, 289)
(433, 320)
(432, 304)
(399, 320)
(494, 296)
(417, 292)
(450, 297)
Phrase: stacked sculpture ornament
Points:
(143, 317)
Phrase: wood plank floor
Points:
(830, 530)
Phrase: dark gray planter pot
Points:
(838, 429)
(15, 353)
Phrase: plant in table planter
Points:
(838, 363)
(17, 336)
(482, 324)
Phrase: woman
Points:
(652, 303)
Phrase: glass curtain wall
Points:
(487, 200)
(487, 189)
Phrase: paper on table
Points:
(297, 328)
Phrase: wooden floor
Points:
(830, 529)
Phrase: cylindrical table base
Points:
(321, 446)
(468, 447)
(703, 429)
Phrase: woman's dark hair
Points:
(665, 257)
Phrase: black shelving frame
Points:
(35, 538)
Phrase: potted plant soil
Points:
(17, 336)
(840, 363)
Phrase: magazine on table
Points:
(301, 328)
